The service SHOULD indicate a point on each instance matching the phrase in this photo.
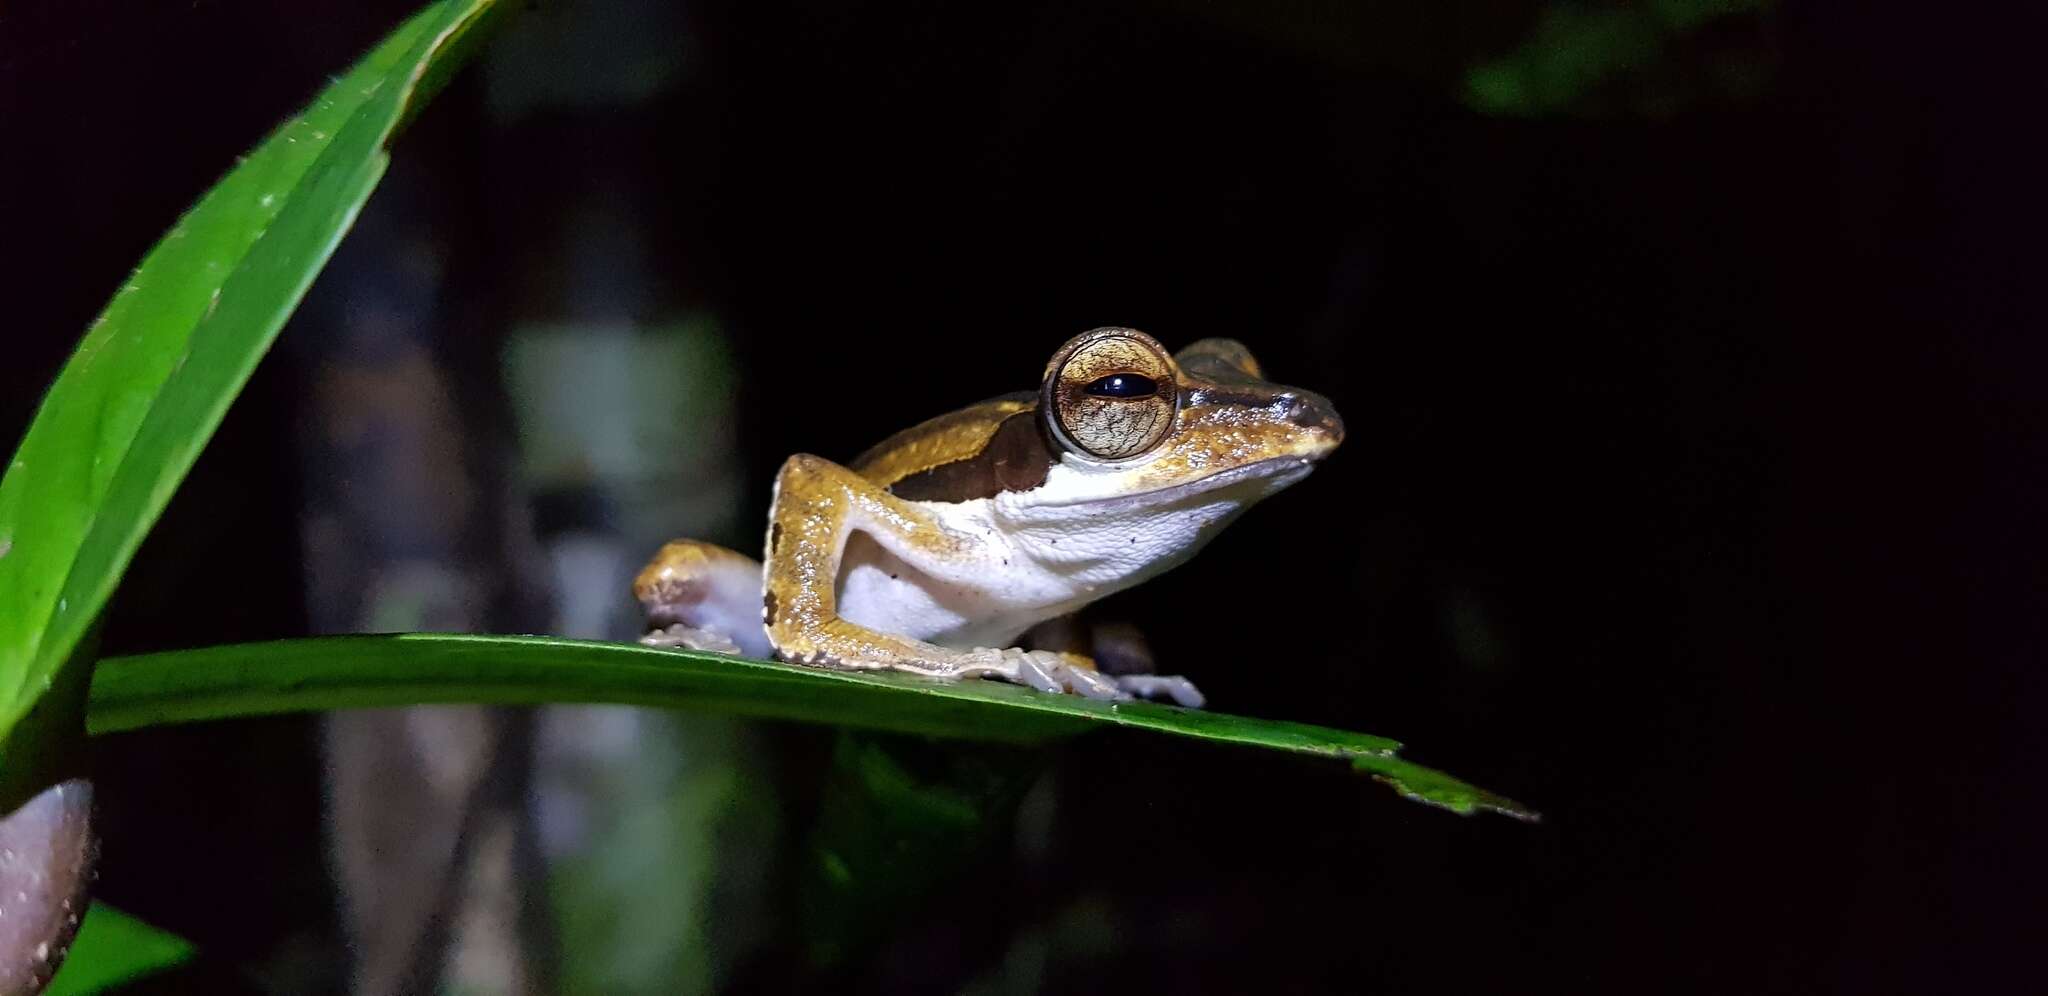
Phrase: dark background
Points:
(1689, 496)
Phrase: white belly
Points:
(1027, 563)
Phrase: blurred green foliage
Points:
(899, 818)
(1646, 58)
(671, 897)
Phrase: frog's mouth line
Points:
(1274, 470)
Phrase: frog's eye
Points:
(1111, 394)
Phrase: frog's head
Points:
(1134, 422)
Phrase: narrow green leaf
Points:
(114, 948)
(347, 672)
(152, 377)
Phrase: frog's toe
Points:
(1063, 675)
(1163, 686)
(1046, 671)
(1032, 669)
(691, 638)
(1094, 684)
(993, 662)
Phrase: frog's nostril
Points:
(1312, 411)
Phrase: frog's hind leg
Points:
(704, 597)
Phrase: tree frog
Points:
(934, 551)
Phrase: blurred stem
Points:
(899, 818)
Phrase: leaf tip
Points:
(1434, 788)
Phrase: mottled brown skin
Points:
(1016, 457)
(1211, 411)
(950, 438)
(953, 457)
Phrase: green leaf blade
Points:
(154, 374)
(346, 672)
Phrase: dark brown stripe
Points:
(1016, 458)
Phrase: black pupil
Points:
(1123, 386)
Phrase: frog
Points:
(937, 549)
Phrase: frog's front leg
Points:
(817, 505)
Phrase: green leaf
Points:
(348, 672)
(113, 948)
(153, 375)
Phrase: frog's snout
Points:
(1313, 412)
